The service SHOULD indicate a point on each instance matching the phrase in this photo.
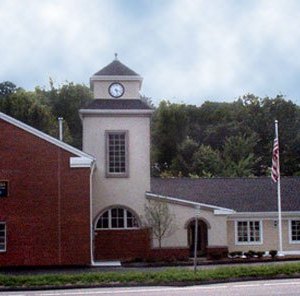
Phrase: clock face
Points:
(116, 90)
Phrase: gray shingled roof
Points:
(116, 68)
(118, 104)
(239, 194)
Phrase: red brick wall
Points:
(47, 210)
(132, 245)
(168, 254)
(122, 244)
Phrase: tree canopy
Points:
(212, 140)
(225, 139)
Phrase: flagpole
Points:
(280, 252)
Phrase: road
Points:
(289, 287)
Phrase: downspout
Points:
(91, 215)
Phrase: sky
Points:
(187, 51)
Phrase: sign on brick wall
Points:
(3, 188)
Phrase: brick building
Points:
(45, 198)
(62, 206)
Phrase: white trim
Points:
(80, 162)
(5, 237)
(107, 263)
(115, 112)
(116, 78)
(44, 136)
(292, 242)
(222, 212)
(187, 203)
(91, 215)
(262, 215)
(248, 243)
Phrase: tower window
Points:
(117, 218)
(117, 153)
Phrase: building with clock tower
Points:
(63, 206)
(116, 131)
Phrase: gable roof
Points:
(118, 104)
(85, 159)
(239, 194)
(116, 68)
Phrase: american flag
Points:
(275, 161)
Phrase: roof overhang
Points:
(115, 112)
(217, 210)
(263, 215)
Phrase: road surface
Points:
(289, 287)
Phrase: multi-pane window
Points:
(295, 230)
(116, 218)
(117, 162)
(2, 237)
(248, 232)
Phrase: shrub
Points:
(273, 253)
(260, 254)
(235, 254)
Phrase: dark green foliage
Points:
(7, 88)
(65, 102)
(232, 139)
(27, 107)
(213, 140)
(41, 108)
(273, 253)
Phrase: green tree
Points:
(182, 163)
(160, 219)
(65, 101)
(206, 162)
(7, 88)
(169, 130)
(238, 156)
(26, 107)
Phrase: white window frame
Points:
(248, 242)
(124, 217)
(291, 241)
(5, 238)
(117, 174)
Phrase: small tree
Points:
(160, 219)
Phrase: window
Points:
(248, 232)
(294, 231)
(3, 188)
(117, 218)
(2, 237)
(116, 154)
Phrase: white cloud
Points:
(187, 50)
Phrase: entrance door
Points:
(202, 238)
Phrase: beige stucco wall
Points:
(217, 230)
(129, 191)
(131, 89)
(270, 237)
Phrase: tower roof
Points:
(116, 68)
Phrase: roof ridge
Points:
(116, 68)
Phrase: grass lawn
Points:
(168, 276)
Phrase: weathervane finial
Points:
(116, 56)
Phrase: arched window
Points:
(116, 218)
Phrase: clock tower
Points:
(116, 131)
(116, 81)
